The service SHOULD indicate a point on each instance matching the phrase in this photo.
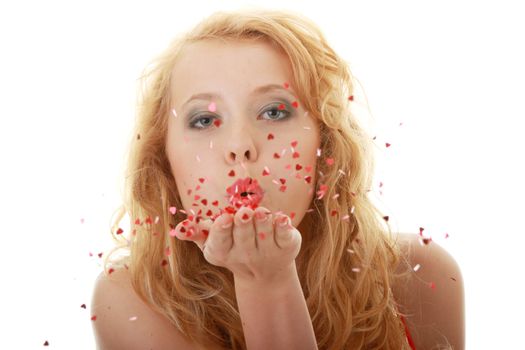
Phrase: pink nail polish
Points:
(261, 216)
(246, 218)
(284, 221)
(228, 223)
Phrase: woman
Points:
(244, 125)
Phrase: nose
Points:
(240, 148)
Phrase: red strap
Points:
(410, 341)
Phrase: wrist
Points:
(278, 282)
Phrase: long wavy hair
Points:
(350, 264)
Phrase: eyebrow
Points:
(257, 91)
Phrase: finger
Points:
(263, 228)
(220, 240)
(284, 231)
(204, 226)
(243, 232)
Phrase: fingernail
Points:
(284, 221)
(261, 217)
(246, 217)
(228, 223)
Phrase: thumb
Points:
(190, 231)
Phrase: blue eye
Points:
(207, 117)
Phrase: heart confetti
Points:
(294, 144)
(295, 104)
(173, 210)
(266, 171)
(387, 145)
(276, 155)
(330, 161)
(281, 107)
(212, 107)
(270, 136)
(286, 85)
(308, 168)
(119, 231)
(351, 97)
(322, 191)
(231, 173)
(217, 122)
(426, 241)
(296, 155)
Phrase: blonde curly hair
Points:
(350, 309)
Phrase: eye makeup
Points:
(287, 112)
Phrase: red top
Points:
(410, 341)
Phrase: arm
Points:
(275, 316)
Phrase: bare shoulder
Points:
(124, 321)
(433, 298)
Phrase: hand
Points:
(258, 250)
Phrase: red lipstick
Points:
(245, 192)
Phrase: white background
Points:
(450, 71)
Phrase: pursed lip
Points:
(245, 192)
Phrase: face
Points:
(226, 133)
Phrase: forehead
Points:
(226, 65)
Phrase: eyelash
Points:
(285, 111)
